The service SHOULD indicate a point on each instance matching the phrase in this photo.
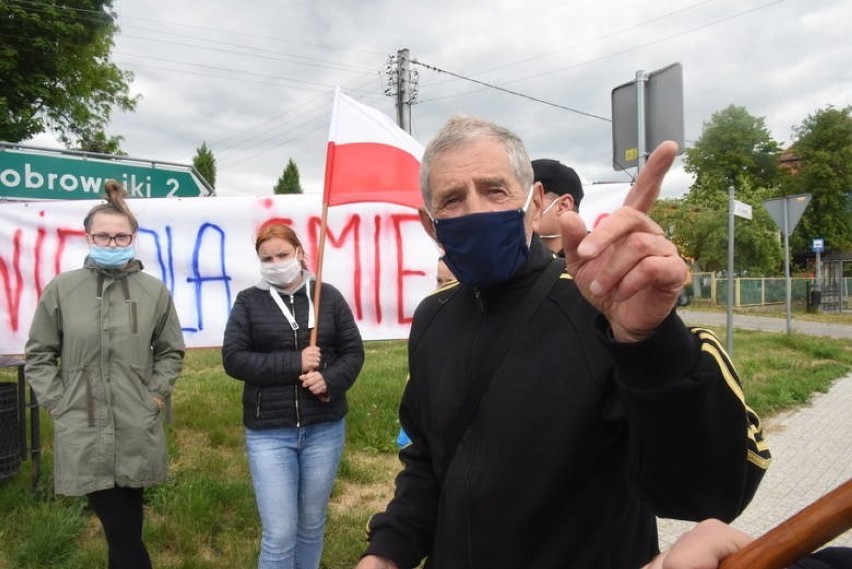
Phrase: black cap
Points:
(558, 178)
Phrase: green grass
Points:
(205, 517)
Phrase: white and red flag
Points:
(369, 158)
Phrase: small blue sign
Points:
(818, 245)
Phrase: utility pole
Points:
(403, 111)
(402, 86)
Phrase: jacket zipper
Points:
(468, 476)
(296, 346)
(479, 304)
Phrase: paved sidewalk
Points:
(769, 324)
(811, 455)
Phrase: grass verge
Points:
(205, 517)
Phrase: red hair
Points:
(279, 231)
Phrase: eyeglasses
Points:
(104, 239)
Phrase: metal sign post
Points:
(788, 284)
(729, 344)
(735, 209)
(786, 213)
(818, 248)
(645, 112)
(641, 150)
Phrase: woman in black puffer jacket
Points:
(294, 398)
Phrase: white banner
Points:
(376, 254)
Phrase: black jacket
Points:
(261, 349)
(577, 443)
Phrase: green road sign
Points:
(44, 174)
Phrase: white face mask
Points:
(544, 211)
(550, 206)
(281, 274)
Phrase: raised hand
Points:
(626, 267)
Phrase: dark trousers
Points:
(120, 513)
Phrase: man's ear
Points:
(427, 224)
(536, 205)
(566, 203)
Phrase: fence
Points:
(707, 287)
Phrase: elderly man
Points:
(553, 414)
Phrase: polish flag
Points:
(369, 158)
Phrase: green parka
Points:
(102, 344)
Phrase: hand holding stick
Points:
(801, 534)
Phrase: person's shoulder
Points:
(441, 295)
(331, 295)
(251, 292)
(567, 296)
(71, 276)
(447, 286)
(433, 302)
(327, 288)
(147, 279)
(566, 281)
(68, 280)
(149, 283)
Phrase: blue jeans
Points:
(293, 470)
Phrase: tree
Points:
(205, 163)
(700, 232)
(56, 69)
(733, 147)
(823, 169)
(102, 143)
(736, 149)
(289, 183)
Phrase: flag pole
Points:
(324, 397)
(318, 287)
(329, 167)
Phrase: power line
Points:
(39, 6)
(310, 85)
(311, 112)
(610, 55)
(509, 91)
(599, 38)
(315, 62)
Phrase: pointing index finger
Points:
(645, 190)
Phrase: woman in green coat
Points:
(103, 354)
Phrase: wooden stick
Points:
(324, 397)
(801, 534)
(318, 284)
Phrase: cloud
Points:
(256, 81)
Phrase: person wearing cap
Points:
(562, 192)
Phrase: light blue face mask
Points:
(111, 257)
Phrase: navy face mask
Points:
(484, 249)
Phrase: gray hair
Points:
(460, 130)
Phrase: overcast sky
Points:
(255, 79)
